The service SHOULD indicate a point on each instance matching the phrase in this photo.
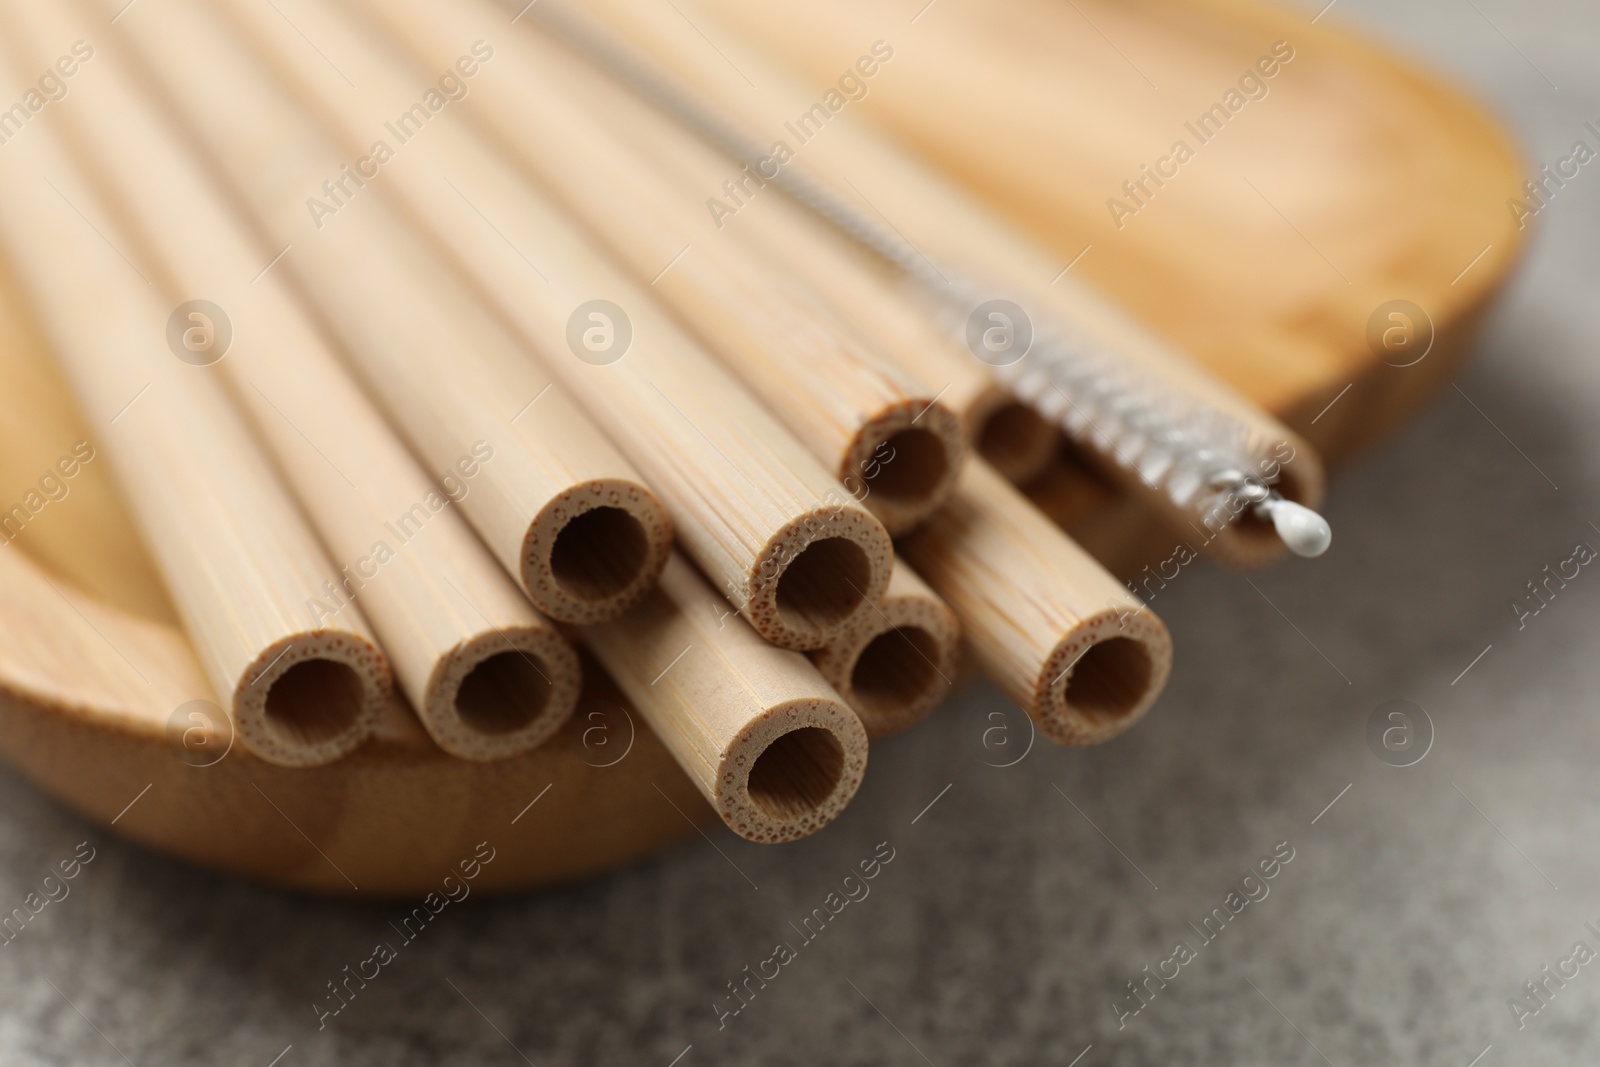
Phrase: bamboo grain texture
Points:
(236, 555)
(1054, 632)
(441, 606)
(448, 373)
(769, 743)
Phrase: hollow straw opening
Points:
(824, 584)
(895, 671)
(1109, 680)
(1017, 440)
(796, 774)
(917, 465)
(503, 693)
(599, 553)
(314, 701)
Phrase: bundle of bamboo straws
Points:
(508, 380)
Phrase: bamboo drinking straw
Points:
(487, 675)
(898, 662)
(889, 440)
(1013, 437)
(778, 535)
(1192, 447)
(236, 556)
(766, 739)
(558, 505)
(644, 146)
(1052, 630)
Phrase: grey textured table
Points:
(1018, 907)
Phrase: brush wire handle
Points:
(1199, 457)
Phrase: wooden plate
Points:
(1357, 161)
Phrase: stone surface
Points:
(1017, 907)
